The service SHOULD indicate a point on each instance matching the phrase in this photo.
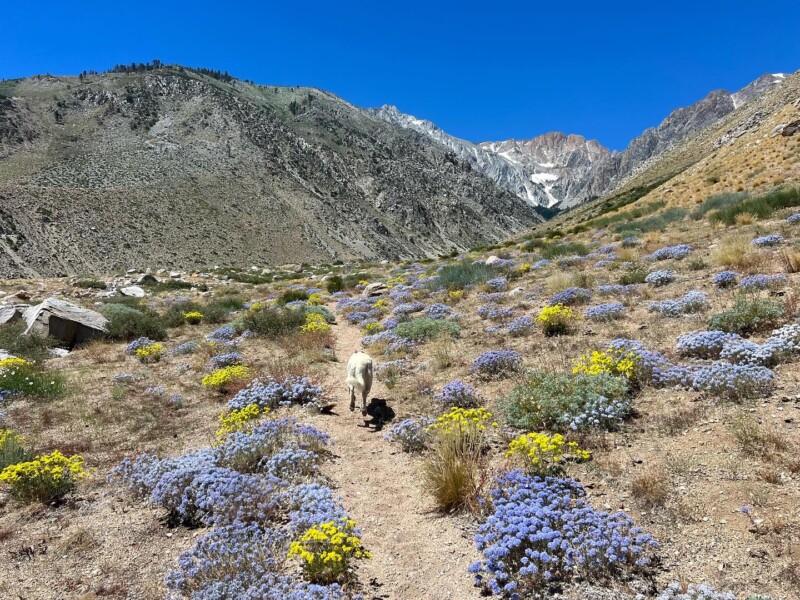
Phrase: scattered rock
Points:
(59, 352)
(147, 278)
(791, 128)
(491, 260)
(22, 295)
(376, 288)
(175, 274)
(516, 292)
(133, 291)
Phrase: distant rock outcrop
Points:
(562, 171)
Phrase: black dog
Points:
(380, 412)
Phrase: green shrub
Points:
(558, 401)
(461, 275)
(657, 222)
(635, 274)
(273, 323)
(291, 296)
(749, 314)
(761, 206)
(717, 202)
(93, 284)
(126, 322)
(321, 310)
(422, 329)
(552, 251)
(173, 317)
(334, 284)
(31, 347)
(27, 378)
(170, 285)
(12, 449)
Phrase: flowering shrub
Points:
(564, 402)
(193, 317)
(12, 448)
(223, 378)
(150, 353)
(767, 241)
(615, 289)
(763, 282)
(520, 326)
(497, 364)
(541, 454)
(222, 335)
(648, 363)
(459, 394)
(692, 302)
(613, 362)
(704, 344)
(570, 297)
(556, 320)
(439, 311)
(660, 278)
(671, 252)
(186, 348)
(629, 242)
(372, 327)
(326, 550)
(315, 322)
(411, 434)
(493, 312)
(18, 375)
(605, 312)
(227, 359)
(744, 352)
(795, 218)
(498, 284)
(240, 561)
(461, 421)
(239, 420)
(543, 530)
(46, 478)
(408, 308)
(271, 394)
(315, 299)
(733, 382)
(725, 279)
(133, 346)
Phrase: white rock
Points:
(133, 291)
(175, 274)
(64, 321)
(492, 259)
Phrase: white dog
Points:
(359, 377)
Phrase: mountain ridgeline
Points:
(151, 166)
(563, 171)
(174, 167)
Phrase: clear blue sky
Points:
(483, 71)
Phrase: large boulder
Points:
(134, 291)
(64, 321)
(374, 289)
(11, 312)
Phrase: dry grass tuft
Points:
(651, 489)
(756, 440)
(737, 252)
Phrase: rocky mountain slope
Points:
(173, 167)
(563, 171)
(751, 150)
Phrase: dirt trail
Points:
(416, 553)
